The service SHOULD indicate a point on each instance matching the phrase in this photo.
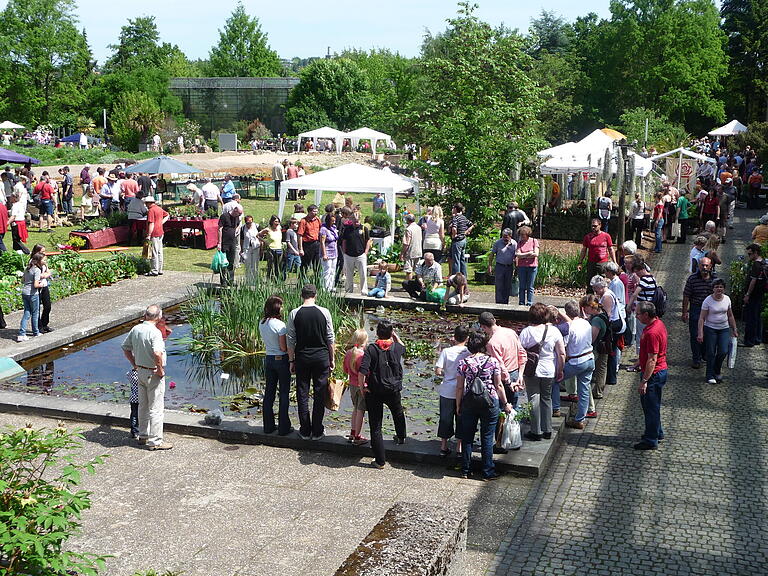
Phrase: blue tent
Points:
(76, 138)
(15, 157)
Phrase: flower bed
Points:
(71, 274)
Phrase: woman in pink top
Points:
(527, 257)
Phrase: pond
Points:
(95, 369)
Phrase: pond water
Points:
(95, 369)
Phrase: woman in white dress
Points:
(434, 232)
(250, 245)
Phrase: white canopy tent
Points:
(325, 132)
(683, 152)
(733, 127)
(369, 134)
(8, 125)
(560, 151)
(351, 178)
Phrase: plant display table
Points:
(209, 227)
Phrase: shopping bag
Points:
(145, 250)
(436, 294)
(334, 393)
(676, 230)
(511, 438)
(219, 261)
(732, 352)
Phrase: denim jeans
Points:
(277, 374)
(31, 312)
(659, 230)
(375, 402)
(651, 403)
(291, 263)
(503, 281)
(469, 419)
(583, 373)
(716, 342)
(376, 292)
(527, 277)
(753, 322)
(697, 350)
(458, 264)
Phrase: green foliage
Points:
(756, 136)
(476, 111)
(135, 117)
(49, 155)
(330, 92)
(40, 503)
(258, 130)
(11, 262)
(560, 270)
(46, 62)
(243, 49)
(381, 220)
(117, 218)
(662, 133)
(95, 224)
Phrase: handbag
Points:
(334, 392)
(533, 355)
(219, 261)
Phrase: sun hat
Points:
(149, 199)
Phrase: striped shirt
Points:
(461, 224)
(647, 288)
(698, 288)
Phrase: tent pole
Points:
(679, 170)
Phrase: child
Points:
(456, 289)
(383, 282)
(446, 367)
(352, 360)
(292, 259)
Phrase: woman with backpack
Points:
(546, 341)
(478, 391)
(601, 344)
(380, 376)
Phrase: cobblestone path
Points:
(697, 505)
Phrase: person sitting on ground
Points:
(428, 276)
(456, 290)
(352, 360)
(381, 377)
(478, 365)
(446, 367)
(382, 281)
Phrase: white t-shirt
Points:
(531, 335)
(270, 331)
(449, 360)
(578, 347)
(211, 191)
(717, 317)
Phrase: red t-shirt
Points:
(598, 246)
(658, 211)
(654, 341)
(309, 230)
(156, 214)
(44, 190)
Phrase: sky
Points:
(307, 28)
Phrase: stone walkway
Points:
(698, 505)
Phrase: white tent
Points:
(8, 125)
(587, 155)
(733, 127)
(325, 132)
(560, 151)
(683, 152)
(369, 134)
(351, 178)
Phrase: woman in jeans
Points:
(716, 325)
(273, 235)
(527, 259)
(277, 370)
(479, 365)
(329, 238)
(550, 366)
(30, 295)
(658, 221)
(45, 294)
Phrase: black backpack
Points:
(386, 372)
(605, 344)
(659, 300)
(476, 396)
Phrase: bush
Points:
(40, 505)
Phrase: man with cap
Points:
(156, 217)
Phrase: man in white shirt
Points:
(211, 195)
(579, 360)
(20, 189)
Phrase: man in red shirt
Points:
(156, 217)
(309, 239)
(653, 365)
(44, 193)
(598, 247)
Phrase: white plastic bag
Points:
(511, 438)
(732, 352)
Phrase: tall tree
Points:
(334, 92)
(243, 49)
(134, 118)
(46, 61)
(477, 112)
(137, 46)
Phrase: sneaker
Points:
(304, 437)
(644, 446)
(492, 477)
(711, 381)
(320, 437)
(350, 438)
(46, 329)
(163, 446)
(22, 338)
(719, 377)
(591, 414)
(135, 435)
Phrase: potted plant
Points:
(380, 224)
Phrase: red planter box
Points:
(104, 238)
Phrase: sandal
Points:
(633, 368)
(445, 452)
(360, 440)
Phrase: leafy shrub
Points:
(11, 262)
(40, 505)
(117, 218)
(95, 225)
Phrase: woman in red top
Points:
(658, 220)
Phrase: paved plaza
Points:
(697, 505)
